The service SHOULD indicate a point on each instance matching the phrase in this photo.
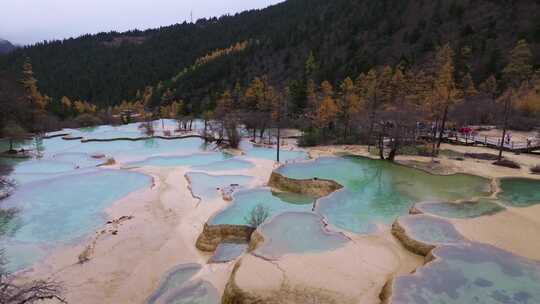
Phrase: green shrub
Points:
(420, 150)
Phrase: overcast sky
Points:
(30, 21)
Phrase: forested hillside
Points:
(346, 37)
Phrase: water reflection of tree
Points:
(6, 187)
(5, 182)
(207, 146)
(39, 146)
(375, 178)
(384, 199)
(151, 143)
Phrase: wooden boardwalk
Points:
(493, 142)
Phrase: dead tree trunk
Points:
(507, 105)
(443, 126)
(278, 142)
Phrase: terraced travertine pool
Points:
(176, 288)
(207, 187)
(462, 210)
(61, 208)
(376, 192)
(430, 230)
(61, 197)
(274, 202)
(470, 273)
(63, 190)
(297, 232)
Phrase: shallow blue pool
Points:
(65, 208)
(376, 192)
(174, 279)
(470, 273)
(297, 232)
(245, 201)
(206, 187)
(177, 288)
(226, 252)
(430, 230)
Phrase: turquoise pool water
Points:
(245, 201)
(520, 192)
(296, 232)
(123, 151)
(63, 190)
(471, 273)
(62, 209)
(430, 230)
(226, 252)
(461, 210)
(176, 288)
(377, 191)
(173, 279)
(271, 154)
(198, 159)
(206, 187)
(130, 130)
(22, 255)
(52, 167)
(44, 166)
(81, 160)
(198, 292)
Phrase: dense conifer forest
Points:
(347, 37)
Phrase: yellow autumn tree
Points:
(224, 104)
(516, 73)
(65, 102)
(327, 109)
(227, 115)
(254, 94)
(258, 101)
(445, 93)
(374, 91)
(469, 88)
(29, 84)
(528, 101)
(82, 107)
(349, 104)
